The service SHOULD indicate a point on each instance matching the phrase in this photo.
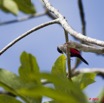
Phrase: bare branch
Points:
(68, 28)
(26, 34)
(99, 71)
(23, 18)
(81, 10)
(82, 16)
(82, 47)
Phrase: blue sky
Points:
(43, 43)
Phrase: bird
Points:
(74, 53)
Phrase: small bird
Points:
(74, 53)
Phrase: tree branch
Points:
(81, 10)
(82, 17)
(69, 29)
(99, 71)
(82, 47)
(23, 18)
(26, 34)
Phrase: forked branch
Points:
(69, 29)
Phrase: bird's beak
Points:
(59, 50)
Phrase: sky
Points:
(43, 43)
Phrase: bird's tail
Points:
(83, 60)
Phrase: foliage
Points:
(14, 6)
(84, 79)
(29, 87)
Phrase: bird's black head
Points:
(60, 51)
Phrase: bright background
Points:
(43, 43)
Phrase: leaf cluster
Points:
(30, 84)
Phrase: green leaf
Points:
(26, 6)
(2, 7)
(49, 92)
(73, 94)
(11, 82)
(29, 67)
(8, 99)
(10, 6)
(59, 67)
(14, 6)
(85, 79)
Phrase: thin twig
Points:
(68, 55)
(69, 29)
(99, 71)
(83, 22)
(82, 15)
(23, 18)
(26, 34)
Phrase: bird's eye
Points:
(59, 50)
